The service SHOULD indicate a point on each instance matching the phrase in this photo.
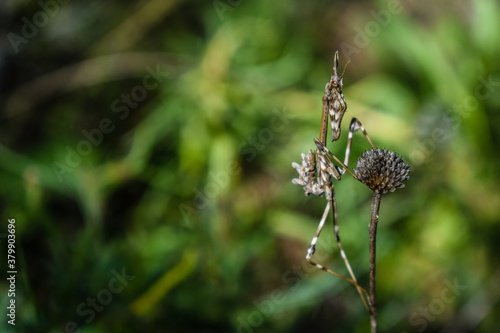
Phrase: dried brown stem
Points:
(373, 242)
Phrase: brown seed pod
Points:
(382, 170)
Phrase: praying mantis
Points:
(317, 171)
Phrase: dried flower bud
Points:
(307, 172)
(382, 170)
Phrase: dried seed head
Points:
(307, 172)
(382, 170)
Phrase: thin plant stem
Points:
(377, 195)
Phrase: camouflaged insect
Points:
(316, 172)
(333, 103)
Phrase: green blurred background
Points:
(153, 140)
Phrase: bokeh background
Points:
(146, 151)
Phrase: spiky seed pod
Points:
(382, 170)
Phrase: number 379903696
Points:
(11, 247)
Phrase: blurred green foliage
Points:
(154, 140)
